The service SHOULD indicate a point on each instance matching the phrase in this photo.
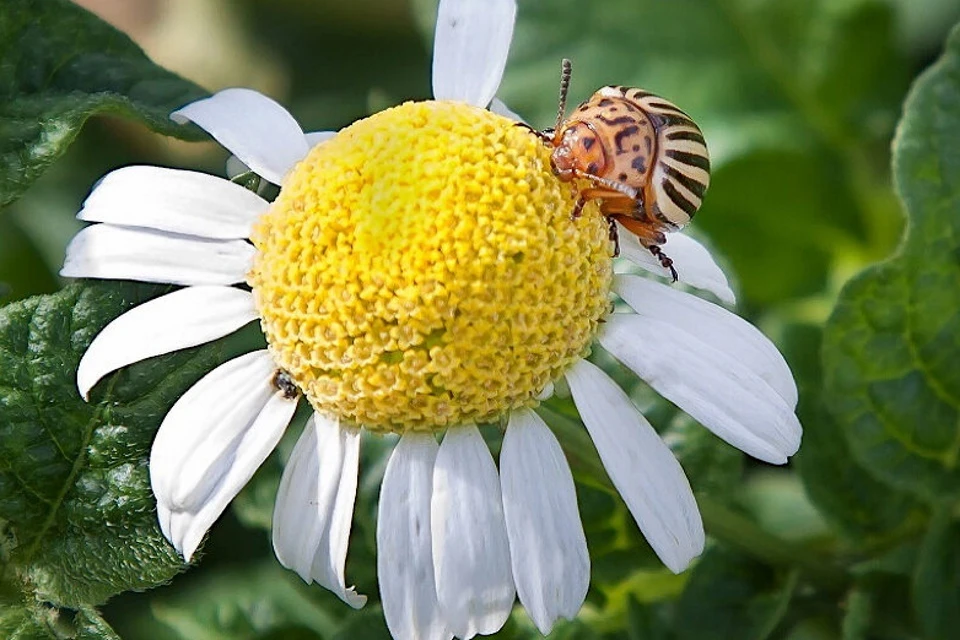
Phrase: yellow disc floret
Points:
(421, 269)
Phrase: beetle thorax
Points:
(577, 149)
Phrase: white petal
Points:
(695, 266)
(314, 509)
(235, 166)
(404, 549)
(547, 392)
(253, 127)
(714, 387)
(195, 438)
(712, 324)
(470, 48)
(126, 253)
(175, 321)
(252, 450)
(172, 200)
(640, 465)
(316, 137)
(165, 518)
(210, 444)
(551, 565)
(470, 549)
(498, 107)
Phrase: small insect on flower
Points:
(285, 384)
(646, 160)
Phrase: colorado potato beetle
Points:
(646, 160)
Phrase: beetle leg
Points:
(646, 232)
(583, 196)
(650, 237)
(578, 205)
(664, 259)
(622, 209)
(546, 136)
(614, 236)
(640, 211)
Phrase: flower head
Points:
(401, 294)
(419, 273)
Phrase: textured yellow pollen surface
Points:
(421, 269)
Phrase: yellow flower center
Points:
(421, 270)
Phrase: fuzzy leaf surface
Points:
(76, 507)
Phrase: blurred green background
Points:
(798, 100)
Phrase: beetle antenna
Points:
(613, 185)
(566, 69)
(625, 189)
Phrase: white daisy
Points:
(419, 274)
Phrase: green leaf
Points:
(749, 605)
(90, 626)
(253, 506)
(879, 605)
(843, 492)
(788, 234)
(713, 467)
(18, 623)
(936, 580)
(75, 499)
(49, 623)
(777, 502)
(368, 624)
(256, 602)
(645, 622)
(892, 343)
(856, 620)
(21, 265)
(59, 65)
(926, 23)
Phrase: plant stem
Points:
(737, 531)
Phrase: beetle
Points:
(285, 384)
(645, 159)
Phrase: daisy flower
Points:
(419, 274)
